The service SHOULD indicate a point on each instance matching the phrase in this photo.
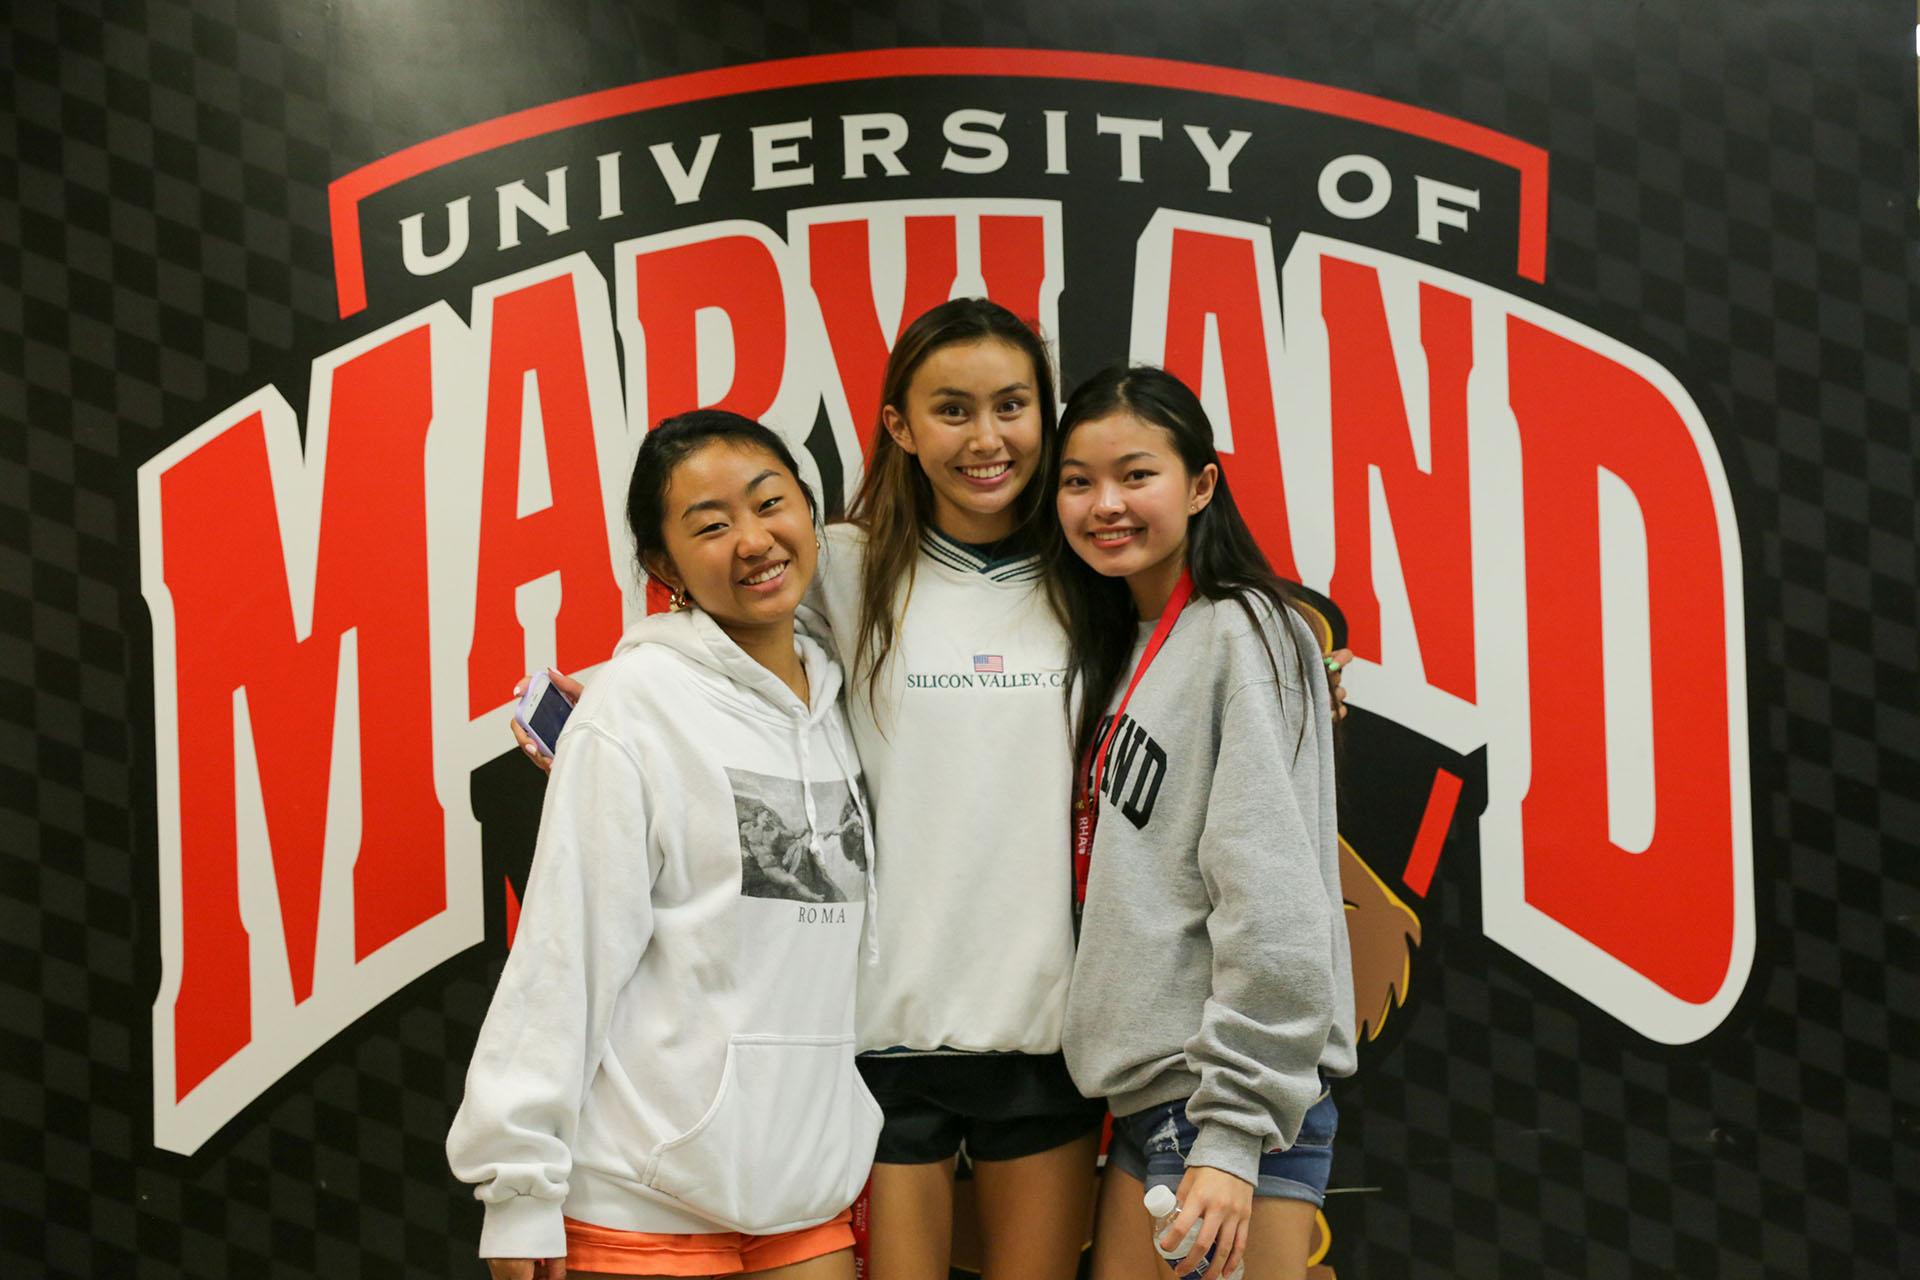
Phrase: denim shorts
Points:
(1152, 1145)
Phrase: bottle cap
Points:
(1160, 1201)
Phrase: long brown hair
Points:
(894, 505)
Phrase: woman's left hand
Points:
(1224, 1205)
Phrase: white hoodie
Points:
(670, 1048)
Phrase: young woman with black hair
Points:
(1212, 994)
(665, 1082)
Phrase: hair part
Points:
(1224, 559)
(671, 443)
(894, 504)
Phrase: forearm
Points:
(587, 918)
(1259, 1073)
(1271, 1005)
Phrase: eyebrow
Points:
(719, 504)
(963, 393)
(1118, 462)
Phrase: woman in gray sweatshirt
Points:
(1212, 995)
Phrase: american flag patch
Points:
(988, 664)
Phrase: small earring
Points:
(818, 541)
(678, 602)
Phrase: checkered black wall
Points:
(1733, 190)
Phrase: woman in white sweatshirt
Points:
(665, 1081)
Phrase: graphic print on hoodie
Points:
(777, 859)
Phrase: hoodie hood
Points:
(694, 634)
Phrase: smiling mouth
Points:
(1114, 535)
(766, 575)
(991, 471)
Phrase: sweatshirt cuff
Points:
(524, 1226)
(1229, 1150)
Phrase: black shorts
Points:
(1001, 1106)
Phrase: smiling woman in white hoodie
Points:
(665, 1083)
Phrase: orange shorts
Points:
(711, 1253)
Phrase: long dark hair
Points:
(672, 442)
(894, 504)
(1225, 561)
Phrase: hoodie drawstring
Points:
(801, 734)
(866, 834)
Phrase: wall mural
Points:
(1613, 816)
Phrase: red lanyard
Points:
(1086, 805)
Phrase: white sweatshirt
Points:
(670, 1048)
(968, 765)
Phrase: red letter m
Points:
(304, 846)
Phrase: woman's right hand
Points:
(1336, 662)
(527, 1268)
(565, 684)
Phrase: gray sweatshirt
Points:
(1213, 962)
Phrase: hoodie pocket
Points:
(788, 1140)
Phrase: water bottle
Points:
(1163, 1209)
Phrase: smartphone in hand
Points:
(543, 710)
